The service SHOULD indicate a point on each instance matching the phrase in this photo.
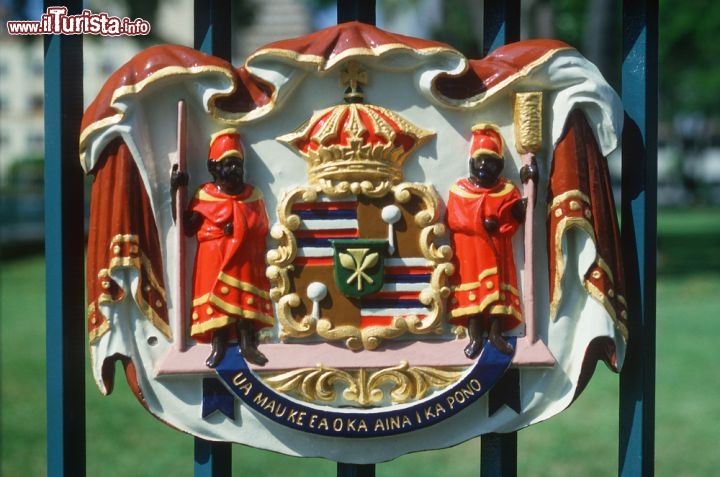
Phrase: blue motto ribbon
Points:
(355, 422)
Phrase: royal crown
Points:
(356, 147)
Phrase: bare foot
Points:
(219, 343)
(248, 341)
(496, 338)
(501, 344)
(473, 349)
(253, 355)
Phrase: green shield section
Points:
(359, 265)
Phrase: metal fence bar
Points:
(639, 234)
(212, 35)
(362, 11)
(498, 455)
(355, 470)
(212, 28)
(356, 10)
(64, 253)
(501, 25)
(212, 459)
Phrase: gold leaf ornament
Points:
(358, 260)
(364, 387)
(347, 261)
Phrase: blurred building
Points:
(21, 63)
(21, 99)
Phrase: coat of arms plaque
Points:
(354, 237)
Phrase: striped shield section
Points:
(321, 222)
(403, 281)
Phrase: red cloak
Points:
(229, 280)
(485, 280)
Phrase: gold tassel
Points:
(528, 122)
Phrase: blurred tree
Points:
(461, 27)
(689, 52)
(26, 175)
(593, 27)
(688, 49)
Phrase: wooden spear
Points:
(528, 141)
(179, 195)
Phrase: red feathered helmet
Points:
(486, 139)
(226, 143)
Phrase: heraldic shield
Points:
(356, 235)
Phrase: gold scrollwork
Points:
(336, 189)
(363, 387)
(429, 214)
(285, 251)
(289, 326)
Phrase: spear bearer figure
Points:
(484, 210)
(230, 290)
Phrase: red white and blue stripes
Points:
(320, 223)
(403, 281)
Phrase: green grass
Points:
(124, 440)
(688, 242)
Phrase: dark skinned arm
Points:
(518, 209)
(192, 222)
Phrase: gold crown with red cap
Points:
(224, 144)
(486, 139)
(356, 147)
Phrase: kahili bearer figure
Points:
(484, 210)
(230, 289)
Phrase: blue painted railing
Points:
(639, 234)
(64, 238)
(64, 253)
